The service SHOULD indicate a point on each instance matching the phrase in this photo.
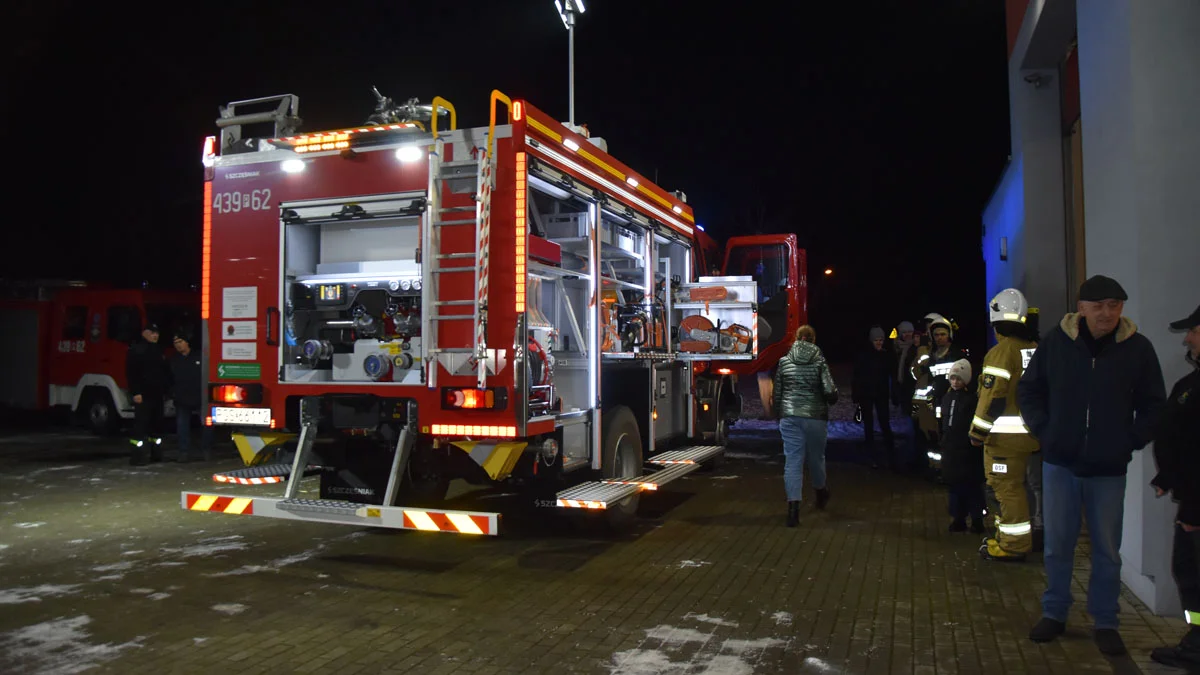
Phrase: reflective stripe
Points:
(1193, 618)
(998, 372)
(1016, 529)
(1009, 424)
(982, 423)
(940, 369)
(937, 457)
(923, 359)
(938, 411)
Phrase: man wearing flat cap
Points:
(1091, 395)
(1177, 453)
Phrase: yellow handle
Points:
(497, 96)
(439, 102)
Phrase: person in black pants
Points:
(872, 387)
(962, 462)
(1177, 452)
(146, 371)
(185, 386)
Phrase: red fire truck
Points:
(399, 304)
(64, 345)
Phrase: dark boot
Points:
(822, 498)
(793, 517)
(1046, 629)
(1184, 655)
(977, 524)
(155, 445)
(1109, 641)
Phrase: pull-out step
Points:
(261, 475)
(671, 465)
(347, 513)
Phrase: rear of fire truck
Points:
(393, 306)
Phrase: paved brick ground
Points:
(100, 569)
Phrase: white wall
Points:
(1140, 101)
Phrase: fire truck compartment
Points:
(353, 290)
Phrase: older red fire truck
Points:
(64, 345)
(403, 303)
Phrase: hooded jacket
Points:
(1091, 412)
(804, 386)
(1177, 447)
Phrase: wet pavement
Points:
(102, 571)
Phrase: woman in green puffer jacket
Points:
(804, 390)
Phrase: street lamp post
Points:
(567, 12)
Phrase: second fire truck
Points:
(399, 304)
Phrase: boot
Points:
(1184, 655)
(1046, 629)
(822, 498)
(990, 551)
(155, 445)
(793, 516)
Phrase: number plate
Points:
(999, 468)
(258, 417)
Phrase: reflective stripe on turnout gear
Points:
(939, 369)
(1008, 424)
(981, 423)
(998, 372)
(1015, 529)
(1193, 618)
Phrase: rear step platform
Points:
(671, 465)
(261, 475)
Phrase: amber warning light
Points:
(474, 399)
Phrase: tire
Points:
(621, 458)
(98, 412)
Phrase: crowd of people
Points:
(1035, 445)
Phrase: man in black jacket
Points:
(1090, 395)
(1177, 452)
(185, 384)
(146, 372)
(872, 387)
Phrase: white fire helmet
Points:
(933, 319)
(1008, 305)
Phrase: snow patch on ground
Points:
(782, 618)
(3, 546)
(158, 596)
(132, 552)
(272, 566)
(142, 591)
(199, 641)
(207, 548)
(28, 526)
(715, 620)
(685, 564)
(39, 472)
(58, 647)
(713, 656)
(17, 596)
(115, 567)
(80, 541)
(230, 608)
(725, 477)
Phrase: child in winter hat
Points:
(961, 462)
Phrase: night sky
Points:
(874, 130)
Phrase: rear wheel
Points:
(98, 412)
(621, 458)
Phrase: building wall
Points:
(1140, 103)
(1139, 110)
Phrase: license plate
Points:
(257, 417)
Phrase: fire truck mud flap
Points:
(256, 447)
(346, 513)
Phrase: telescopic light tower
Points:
(567, 11)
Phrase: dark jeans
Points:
(1185, 566)
(869, 411)
(966, 499)
(183, 426)
(145, 443)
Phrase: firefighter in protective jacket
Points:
(998, 427)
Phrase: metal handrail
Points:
(497, 96)
(439, 102)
